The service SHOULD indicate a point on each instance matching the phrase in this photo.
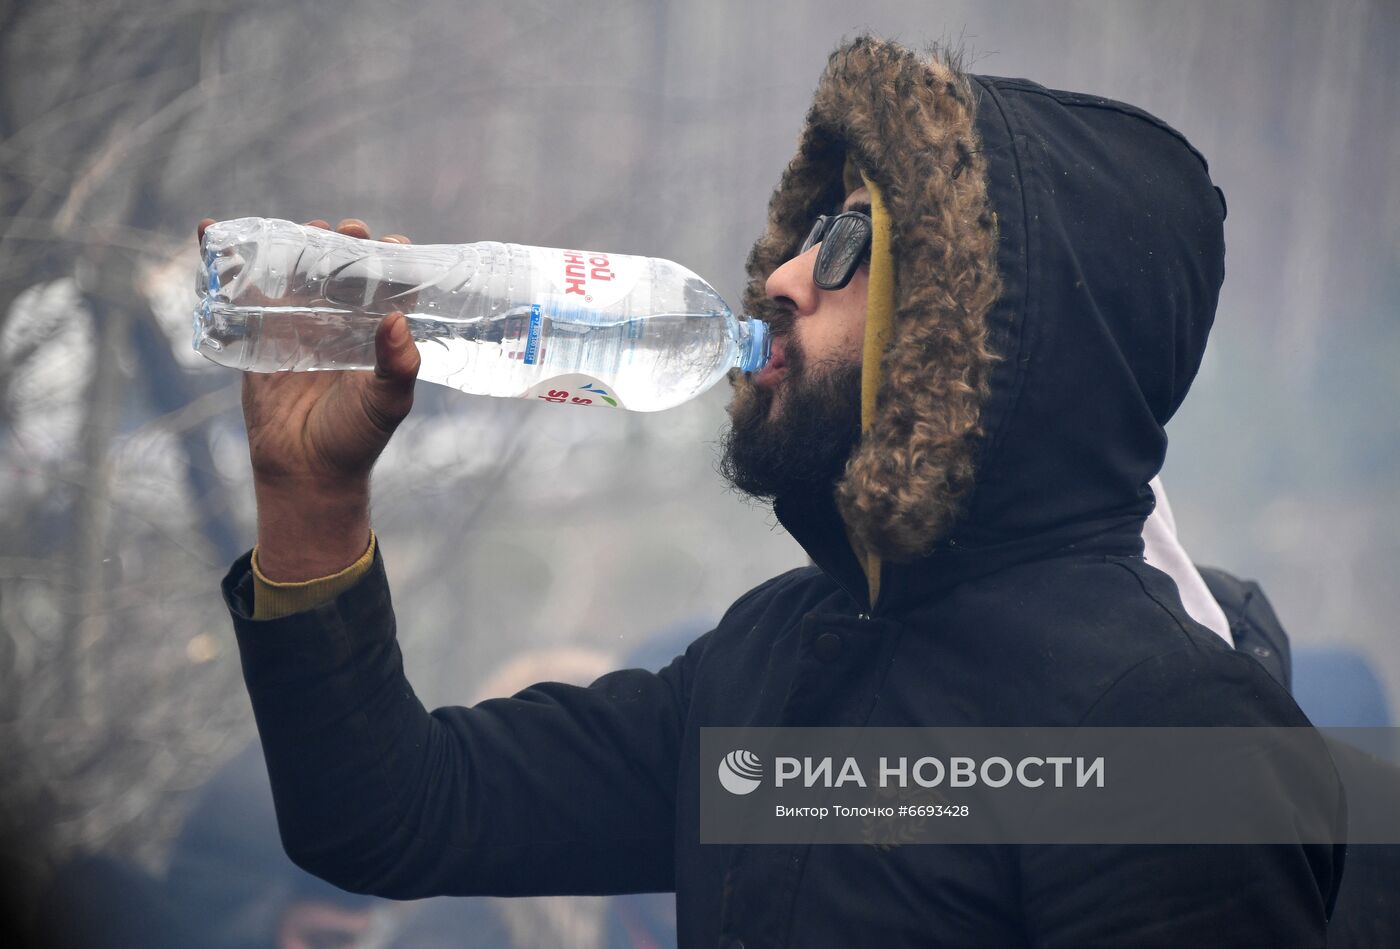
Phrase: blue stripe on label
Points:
(532, 341)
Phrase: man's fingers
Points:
(354, 227)
(351, 227)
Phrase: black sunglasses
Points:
(845, 240)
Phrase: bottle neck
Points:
(754, 345)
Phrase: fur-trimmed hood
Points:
(1057, 260)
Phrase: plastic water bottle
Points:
(563, 326)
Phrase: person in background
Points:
(230, 881)
(228, 885)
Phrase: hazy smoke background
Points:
(651, 128)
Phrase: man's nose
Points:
(793, 281)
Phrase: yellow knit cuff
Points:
(272, 600)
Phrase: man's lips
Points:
(775, 368)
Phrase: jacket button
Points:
(827, 647)
(730, 942)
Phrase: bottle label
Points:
(532, 336)
(575, 388)
(590, 278)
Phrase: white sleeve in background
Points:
(1165, 552)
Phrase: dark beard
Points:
(805, 447)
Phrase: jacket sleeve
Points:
(556, 790)
(1279, 894)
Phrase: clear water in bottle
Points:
(564, 326)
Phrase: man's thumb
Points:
(396, 356)
(396, 362)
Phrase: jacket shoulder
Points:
(1073, 637)
(1253, 624)
(792, 593)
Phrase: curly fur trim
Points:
(908, 120)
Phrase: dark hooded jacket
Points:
(1057, 259)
